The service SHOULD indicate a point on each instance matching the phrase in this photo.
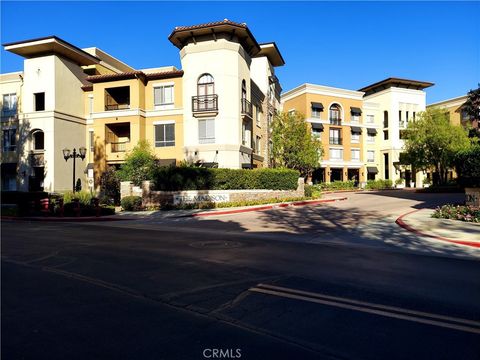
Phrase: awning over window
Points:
(372, 131)
(356, 129)
(372, 170)
(317, 126)
(318, 106)
(209, 164)
(355, 110)
(246, 166)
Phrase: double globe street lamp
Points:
(67, 154)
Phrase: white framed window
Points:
(163, 95)
(355, 118)
(90, 104)
(336, 154)
(258, 144)
(316, 112)
(370, 138)
(370, 119)
(355, 138)
(164, 135)
(370, 156)
(355, 154)
(206, 131)
(9, 105)
(9, 139)
(335, 137)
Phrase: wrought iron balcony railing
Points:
(335, 121)
(247, 107)
(335, 141)
(205, 103)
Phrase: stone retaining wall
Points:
(152, 197)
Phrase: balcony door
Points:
(205, 91)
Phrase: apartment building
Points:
(361, 131)
(215, 111)
(456, 111)
(345, 127)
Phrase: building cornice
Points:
(321, 90)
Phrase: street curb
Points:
(403, 225)
(266, 207)
(64, 219)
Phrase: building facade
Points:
(361, 131)
(215, 111)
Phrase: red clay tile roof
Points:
(135, 74)
(87, 87)
(199, 26)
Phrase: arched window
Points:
(205, 85)
(38, 140)
(244, 89)
(335, 114)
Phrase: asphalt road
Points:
(307, 283)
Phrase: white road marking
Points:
(372, 308)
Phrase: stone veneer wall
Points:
(154, 198)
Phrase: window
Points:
(163, 95)
(291, 112)
(335, 137)
(385, 119)
(355, 154)
(402, 134)
(335, 114)
(316, 112)
(205, 85)
(257, 145)
(413, 116)
(257, 115)
(385, 134)
(370, 119)
(38, 139)
(355, 138)
(9, 106)
(244, 89)
(247, 133)
(370, 138)
(406, 116)
(9, 140)
(91, 140)
(336, 154)
(400, 115)
(355, 118)
(164, 135)
(370, 156)
(39, 99)
(206, 131)
(90, 105)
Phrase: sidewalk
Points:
(459, 232)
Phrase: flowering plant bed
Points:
(458, 212)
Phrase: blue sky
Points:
(342, 44)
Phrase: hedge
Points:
(338, 185)
(379, 184)
(132, 203)
(197, 178)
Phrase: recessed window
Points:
(258, 111)
(9, 105)
(385, 119)
(370, 119)
(355, 138)
(163, 95)
(39, 99)
(9, 140)
(335, 114)
(257, 144)
(38, 138)
(206, 131)
(164, 135)
(336, 154)
(370, 137)
(370, 156)
(355, 154)
(385, 134)
(335, 137)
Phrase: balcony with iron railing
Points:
(205, 103)
(335, 141)
(335, 121)
(247, 108)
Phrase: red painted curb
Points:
(266, 207)
(402, 224)
(64, 219)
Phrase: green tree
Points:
(472, 108)
(293, 145)
(140, 164)
(431, 141)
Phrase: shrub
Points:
(312, 191)
(399, 181)
(458, 212)
(197, 178)
(467, 164)
(338, 185)
(110, 187)
(85, 210)
(140, 164)
(132, 203)
(83, 196)
(23, 200)
(378, 184)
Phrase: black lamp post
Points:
(66, 155)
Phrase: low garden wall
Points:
(152, 197)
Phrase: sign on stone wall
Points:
(472, 196)
(192, 197)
